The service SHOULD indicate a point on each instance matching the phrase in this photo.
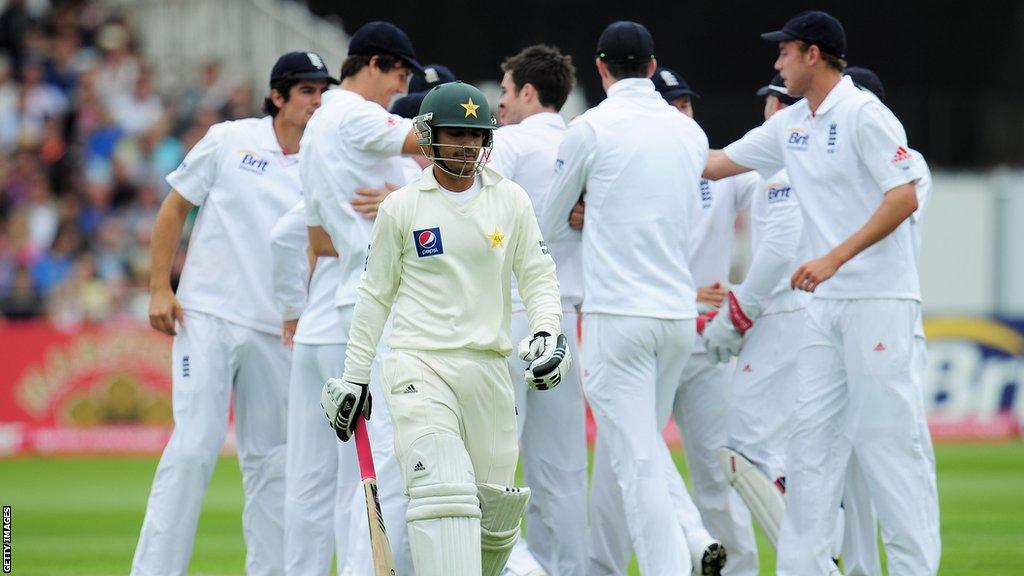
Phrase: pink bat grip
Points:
(364, 451)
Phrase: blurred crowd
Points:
(86, 138)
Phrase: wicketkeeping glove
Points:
(723, 337)
(548, 357)
(343, 402)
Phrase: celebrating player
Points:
(639, 160)
(552, 426)
(847, 155)
(700, 406)
(353, 143)
(245, 175)
(762, 390)
(443, 251)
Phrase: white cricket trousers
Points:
(324, 503)
(701, 412)
(860, 535)
(553, 454)
(857, 394)
(212, 357)
(632, 367)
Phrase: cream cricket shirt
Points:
(526, 153)
(242, 182)
(842, 159)
(447, 269)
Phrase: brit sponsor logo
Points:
(428, 242)
(252, 162)
(798, 139)
(778, 193)
(705, 194)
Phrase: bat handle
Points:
(364, 452)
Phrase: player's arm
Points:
(411, 145)
(777, 248)
(375, 295)
(721, 166)
(881, 146)
(547, 350)
(190, 185)
(899, 204)
(164, 308)
(320, 241)
(290, 268)
(758, 149)
(575, 155)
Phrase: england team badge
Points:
(428, 242)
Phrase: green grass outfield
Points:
(82, 516)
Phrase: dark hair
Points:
(356, 62)
(549, 71)
(284, 88)
(623, 69)
(831, 60)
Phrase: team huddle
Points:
(379, 268)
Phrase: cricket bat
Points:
(383, 561)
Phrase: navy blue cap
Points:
(814, 27)
(379, 37)
(777, 88)
(866, 79)
(671, 85)
(408, 106)
(301, 66)
(625, 41)
(432, 75)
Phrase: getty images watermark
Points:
(7, 539)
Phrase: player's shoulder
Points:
(491, 178)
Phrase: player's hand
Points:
(288, 332)
(367, 200)
(723, 337)
(164, 311)
(548, 357)
(576, 217)
(811, 274)
(711, 295)
(343, 403)
(704, 320)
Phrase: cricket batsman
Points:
(443, 251)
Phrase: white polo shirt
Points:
(350, 143)
(242, 182)
(320, 321)
(640, 161)
(842, 159)
(525, 153)
(776, 232)
(714, 224)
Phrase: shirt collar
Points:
(841, 90)
(632, 87)
(488, 177)
(545, 118)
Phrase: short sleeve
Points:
(503, 156)
(372, 129)
(759, 149)
(882, 147)
(196, 174)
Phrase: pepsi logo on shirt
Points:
(428, 242)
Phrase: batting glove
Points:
(723, 336)
(343, 402)
(548, 358)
